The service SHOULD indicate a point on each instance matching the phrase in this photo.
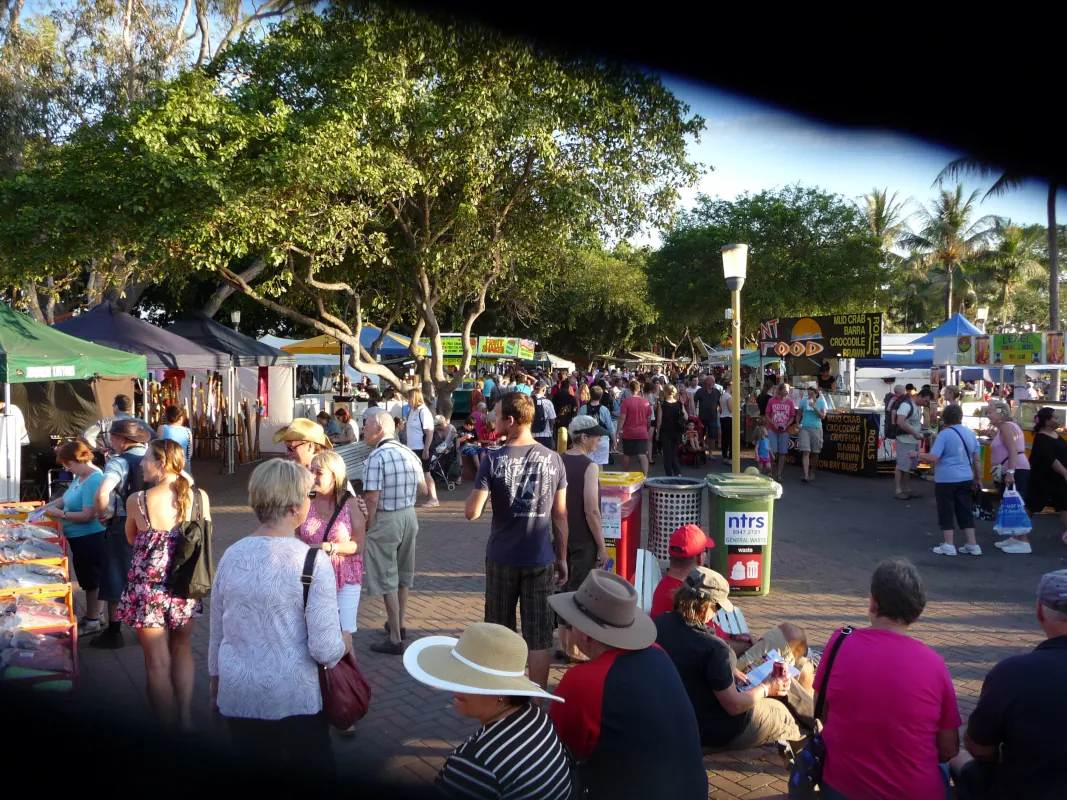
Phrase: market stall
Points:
(59, 385)
(852, 431)
(169, 358)
(264, 382)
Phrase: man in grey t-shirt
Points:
(909, 414)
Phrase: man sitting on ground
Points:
(1015, 755)
(626, 718)
(728, 718)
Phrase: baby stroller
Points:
(445, 467)
(689, 458)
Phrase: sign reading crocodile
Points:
(836, 336)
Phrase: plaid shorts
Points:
(507, 586)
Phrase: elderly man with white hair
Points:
(392, 477)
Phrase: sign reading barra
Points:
(850, 445)
(838, 336)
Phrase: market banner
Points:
(451, 345)
(498, 346)
(526, 349)
(1054, 348)
(834, 336)
(1019, 348)
(1008, 349)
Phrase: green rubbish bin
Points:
(740, 522)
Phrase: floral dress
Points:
(348, 569)
(146, 602)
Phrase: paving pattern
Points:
(828, 537)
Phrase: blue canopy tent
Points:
(920, 359)
(957, 325)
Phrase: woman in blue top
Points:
(810, 414)
(84, 532)
(955, 454)
(174, 430)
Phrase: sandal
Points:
(901, 496)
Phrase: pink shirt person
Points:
(638, 413)
(348, 569)
(888, 697)
(780, 414)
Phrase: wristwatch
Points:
(1009, 472)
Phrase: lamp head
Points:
(735, 265)
(235, 317)
(982, 313)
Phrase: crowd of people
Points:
(652, 691)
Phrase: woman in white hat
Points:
(515, 752)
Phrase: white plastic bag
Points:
(1012, 519)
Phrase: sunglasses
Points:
(292, 447)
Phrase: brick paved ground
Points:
(828, 537)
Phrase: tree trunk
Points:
(1053, 279)
(212, 306)
(949, 270)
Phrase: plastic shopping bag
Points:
(1012, 519)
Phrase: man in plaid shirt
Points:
(392, 477)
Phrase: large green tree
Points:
(1014, 259)
(374, 152)
(810, 252)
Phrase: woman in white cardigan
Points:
(265, 650)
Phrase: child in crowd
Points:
(762, 444)
(691, 439)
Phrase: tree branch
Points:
(250, 273)
(393, 317)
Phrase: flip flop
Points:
(901, 496)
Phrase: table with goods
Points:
(38, 629)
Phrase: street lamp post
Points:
(981, 316)
(734, 267)
(235, 318)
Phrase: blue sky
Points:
(754, 146)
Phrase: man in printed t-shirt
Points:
(526, 558)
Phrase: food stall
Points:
(852, 431)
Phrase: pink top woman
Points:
(348, 569)
(999, 451)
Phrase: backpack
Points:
(891, 411)
(540, 417)
(134, 478)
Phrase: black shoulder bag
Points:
(807, 771)
(191, 567)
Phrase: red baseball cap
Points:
(689, 541)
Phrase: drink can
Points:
(779, 670)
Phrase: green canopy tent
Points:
(37, 355)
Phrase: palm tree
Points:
(1014, 261)
(947, 238)
(1004, 182)
(885, 216)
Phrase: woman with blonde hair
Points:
(266, 643)
(1011, 468)
(419, 436)
(337, 526)
(163, 621)
(583, 394)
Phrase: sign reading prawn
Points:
(834, 336)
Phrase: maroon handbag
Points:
(345, 692)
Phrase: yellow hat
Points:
(303, 430)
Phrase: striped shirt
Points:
(517, 757)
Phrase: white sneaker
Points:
(971, 549)
(945, 550)
(1003, 542)
(1016, 546)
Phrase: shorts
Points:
(811, 440)
(425, 462)
(389, 555)
(635, 447)
(711, 427)
(348, 605)
(506, 586)
(581, 560)
(779, 442)
(117, 563)
(763, 460)
(89, 556)
(954, 503)
(905, 463)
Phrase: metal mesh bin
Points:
(672, 503)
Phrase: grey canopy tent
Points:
(110, 327)
(243, 350)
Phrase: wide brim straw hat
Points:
(605, 608)
(303, 430)
(486, 659)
